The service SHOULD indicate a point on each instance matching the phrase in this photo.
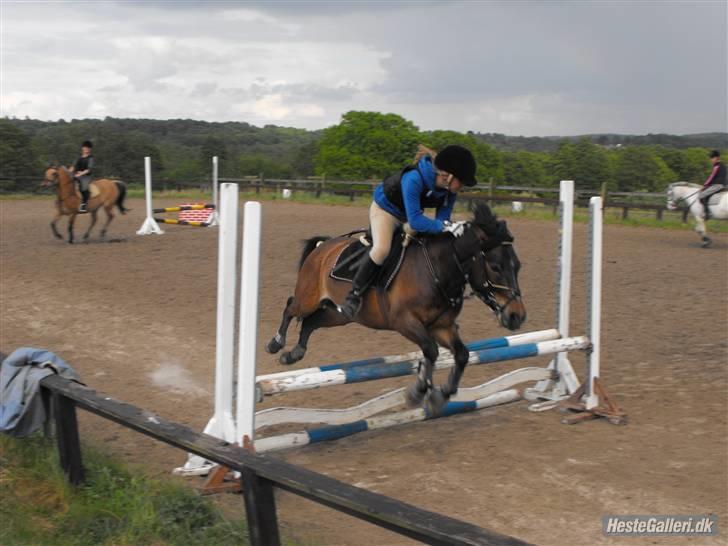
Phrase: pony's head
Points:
(494, 276)
(55, 175)
(678, 194)
(50, 178)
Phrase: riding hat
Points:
(458, 161)
(714, 153)
(86, 144)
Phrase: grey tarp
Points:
(21, 406)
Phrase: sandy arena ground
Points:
(136, 318)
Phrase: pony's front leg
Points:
(423, 384)
(56, 233)
(71, 220)
(439, 396)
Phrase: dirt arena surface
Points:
(136, 318)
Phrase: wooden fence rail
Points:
(259, 474)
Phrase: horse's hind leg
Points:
(109, 218)
(321, 318)
(279, 340)
(90, 227)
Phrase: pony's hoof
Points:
(435, 403)
(293, 356)
(273, 346)
(413, 396)
(707, 241)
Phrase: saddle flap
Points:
(348, 261)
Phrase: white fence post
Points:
(150, 225)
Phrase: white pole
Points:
(150, 225)
(248, 325)
(595, 299)
(214, 218)
(222, 423)
(567, 382)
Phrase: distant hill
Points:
(507, 143)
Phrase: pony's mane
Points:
(683, 184)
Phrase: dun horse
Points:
(423, 301)
(110, 193)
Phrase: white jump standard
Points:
(151, 224)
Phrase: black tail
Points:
(309, 245)
(122, 194)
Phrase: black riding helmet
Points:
(87, 144)
(458, 161)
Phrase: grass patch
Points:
(113, 506)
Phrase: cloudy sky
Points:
(519, 68)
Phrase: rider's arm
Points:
(444, 212)
(412, 188)
(712, 175)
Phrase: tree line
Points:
(363, 146)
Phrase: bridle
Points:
(486, 293)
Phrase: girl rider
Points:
(403, 197)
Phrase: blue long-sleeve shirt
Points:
(415, 184)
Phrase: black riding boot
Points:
(84, 201)
(363, 278)
(705, 207)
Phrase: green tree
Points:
(525, 169)
(639, 169)
(17, 158)
(366, 145)
(592, 166)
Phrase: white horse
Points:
(684, 195)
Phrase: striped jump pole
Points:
(175, 221)
(358, 374)
(181, 208)
(150, 224)
(491, 343)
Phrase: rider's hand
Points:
(456, 228)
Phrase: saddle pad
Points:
(348, 260)
(715, 198)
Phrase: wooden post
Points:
(490, 192)
(659, 213)
(625, 212)
(260, 509)
(259, 184)
(69, 445)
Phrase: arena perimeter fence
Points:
(259, 474)
(654, 203)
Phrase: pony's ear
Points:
(484, 217)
